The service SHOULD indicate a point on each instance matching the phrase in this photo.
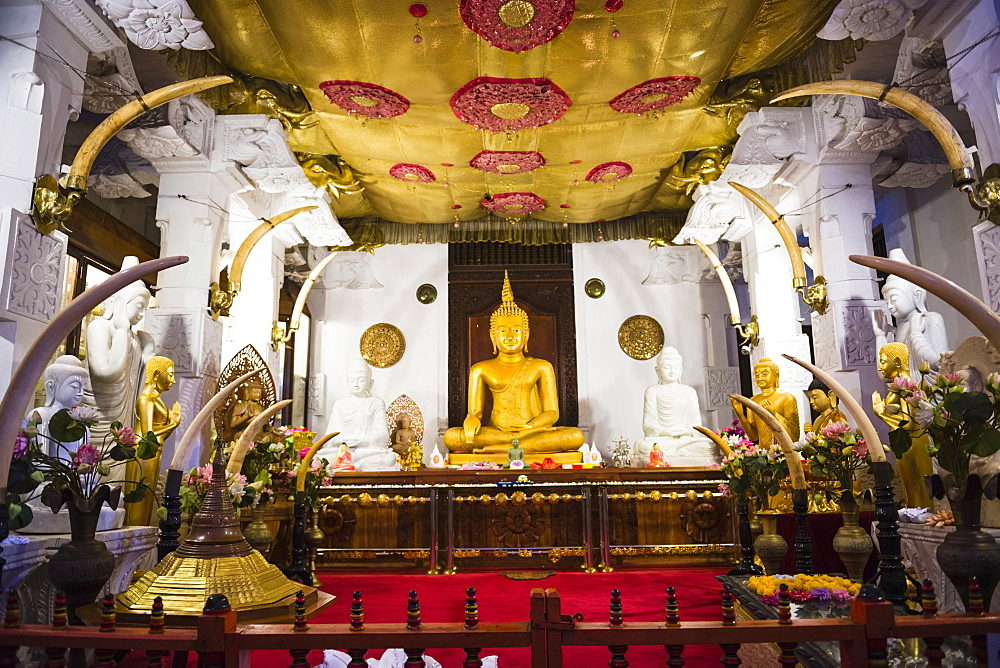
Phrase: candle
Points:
(250, 433)
(300, 301)
(240, 259)
(787, 236)
(718, 440)
(201, 419)
(784, 440)
(727, 283)
(39, 355)
(853, 408)
(963, 301)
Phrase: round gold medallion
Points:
(594, 288)
(516, 13)
(364, 101)
(640, 337)
(382, 345)
(510, 111)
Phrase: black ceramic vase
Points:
(81, 567)
(967, 550)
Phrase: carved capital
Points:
(319, 227)
(853, 129)
(32, 279)
(872, 20)
(918, 163)
(157, 24)
(717, 206)
(190, 337)
(771, 135)
(674, 265)
(987, 236)
(170, 136)
(921, 69)
(253, 140)
(720, 381)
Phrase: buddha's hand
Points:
(471, 427)
(175, 412)
(880, 323)
(877, 404)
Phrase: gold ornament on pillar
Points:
(279, 335)
(984, 196)
(151, 415)
(813, 296)
(750, 332)
(220, 300)
(52, 204)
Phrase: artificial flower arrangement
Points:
(50, 461)
(196, 482)
(961, 422)
(802, 588)
(754, 471)
(836, 453)
(320, 474)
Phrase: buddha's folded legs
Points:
(493, 440)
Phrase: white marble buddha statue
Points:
(361, 420)
(117, 356)
(669, 412)
(920, 330)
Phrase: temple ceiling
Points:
(558, 110)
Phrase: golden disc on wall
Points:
(640, 337)
(382, 345)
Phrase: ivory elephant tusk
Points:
(300, 301)
(853, 408)
(727, 282)
(784, 440)
(201, 419)
(249, 434)
(102, 134)
(963, 301)
(22, 383)
(240, 259)
(300, 478)
(718, 440)
(959, 159)
(787, 236)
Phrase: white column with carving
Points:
(39, 95)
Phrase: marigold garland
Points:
(804, 587)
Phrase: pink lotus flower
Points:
(303, 452)
(87, 454)
(836, 429)
(126, 436)
(84, 413)
(860, 449)
(724, 491)
(899, 383)
(20, 444)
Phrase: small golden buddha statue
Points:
(403, 437)
(525, 399)
(825, 402)
(781, 404)
(242, 411)
(894, 362)
(151, 415)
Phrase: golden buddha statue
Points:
(894, 362)
(151, 415)
(781, 404)
(824, 401)
(525, 400)
(242, 411)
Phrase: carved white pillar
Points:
(39, 95)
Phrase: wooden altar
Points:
(596, 519)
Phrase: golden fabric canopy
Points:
(368, 55)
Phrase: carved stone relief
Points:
(770, 136)
(717, 206)
(673, 265)
(182, 129)
(872, 20)
(33, 278)
(157, 24)
(987, 236)
(316, 394)
(173, 333)
(859, 337)
(921, 69)
(825, 343)
(719, 382)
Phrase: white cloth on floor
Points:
(392, 658)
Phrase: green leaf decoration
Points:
(52, 498)
(148, 446)
(20, 515)
(122, 453)
(38, 476)
(64, 428)
(22, 478)
(975, 407)
(900, 441)
(138, 493)
(161, 513)
(986, 444)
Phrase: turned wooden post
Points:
(928, 603)
(980, 651)
(357, 612)
(57, 655)
(472, 659)
(730, 651)
(11, 620)
(300, 657)
(787, 657)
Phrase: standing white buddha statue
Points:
(117, 356)
(921, 331)
(669, 413)
(361, 420)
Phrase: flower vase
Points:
(257, 532)
(770, 546)
(852, 543)
(82, 566)
(756, 526)
(967, 551)
(314, 538)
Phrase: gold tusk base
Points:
(279, 337)
(51, 205)
(749, 333)
(219, 300)
(814, 296)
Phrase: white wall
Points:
(934, 227)
(340, 316)
(611, 384)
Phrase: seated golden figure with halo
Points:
(525, 400)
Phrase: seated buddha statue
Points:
(241, 412)
(525, 400)
(894, 362)
(781, 404)
(824, 401)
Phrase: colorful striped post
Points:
(413, 611)
(156, 626)
(472, 659)
(929, 609)
(57, 655)
(300, 657)
(357, 612)
(980, 651)
(357, 658)
(730, 656)
(787, 657)
(11, 620)
(615, 616)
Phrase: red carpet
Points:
(442, 599)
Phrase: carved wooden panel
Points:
(544, 290)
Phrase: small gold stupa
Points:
(215, 558)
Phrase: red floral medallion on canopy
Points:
(502, 105)
(367, 99)
(654, 95)
(507, 162)
(518, 203)
(517, 25)
(411, 173)
(609, 171)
